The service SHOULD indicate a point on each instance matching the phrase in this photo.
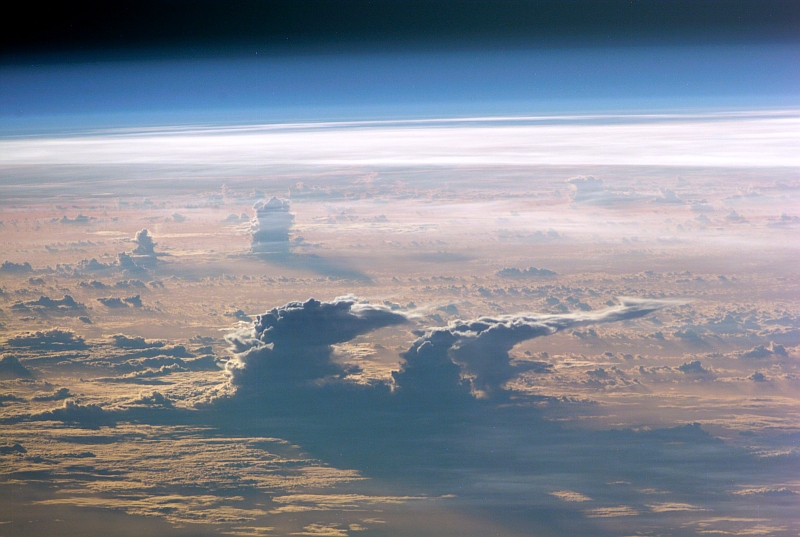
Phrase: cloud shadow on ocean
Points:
(429, 434)
(314, 263)
(476, 447)
(270, 229)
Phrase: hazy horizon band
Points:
(742, 139)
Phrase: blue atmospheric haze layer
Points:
(257, 87)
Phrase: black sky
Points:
(147, 27)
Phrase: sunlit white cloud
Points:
(757, 139)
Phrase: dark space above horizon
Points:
(147, 28)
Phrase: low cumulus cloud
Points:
(63, 305)
(116, 302)
(9, 267)
(530, 272)
(58, 395)
(52, 339)
(134, 342)
(88, 416)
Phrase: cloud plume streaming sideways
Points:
(292, 344)
(480, 347)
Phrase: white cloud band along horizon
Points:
(758, 139)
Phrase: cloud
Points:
(92, 265)
(143, 375)
(760, 351)
(589, 189)
(58, 395)
(696, 140)
(135, 301)
(478, 349)
(155, 398)
(693, 368)
(112, 302)
(136, 342)
(530, 272)
(115, 302)
(766, 491)
(15, 268)
(610, 512)
(144, 243)
(89, 416)
(671, 507)
(667, 196)
(13, 449)
(127, 263)
(144, 255)
(66, 304)
(80, 219)
(270, 226)
(127, 284)
(292, 344)
(147, 364)
(323, 530)
(53, 339)
(94, 284)
(11, 368)
(570, 496)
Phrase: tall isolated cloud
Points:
(270, 226)
(144, 243)
(144, 255)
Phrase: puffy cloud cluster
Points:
(270, 226)
(116, 302)
(89, 416)
(52, 339)
(530, 272)
(292, 344)
(64, 305)
(134, 342)
(15, 268)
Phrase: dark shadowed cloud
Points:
(480, 347)
(11, 368)
(53, 339)
(292, 344)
